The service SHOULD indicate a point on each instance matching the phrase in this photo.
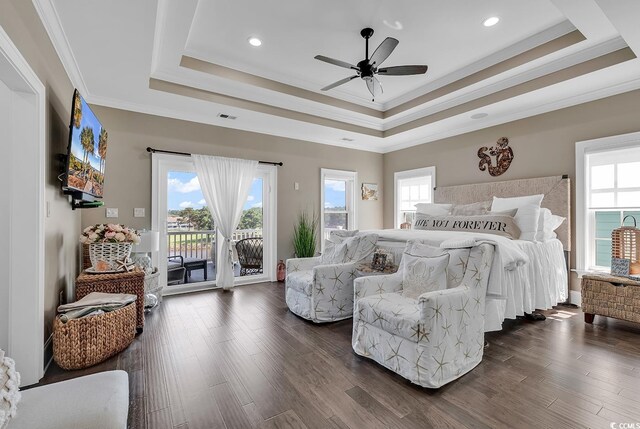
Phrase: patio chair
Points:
(175, 270)
(250, 255)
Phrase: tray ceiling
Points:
(191, 59)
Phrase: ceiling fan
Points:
(368, 68)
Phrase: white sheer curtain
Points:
(225, 184)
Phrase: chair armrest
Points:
(177, 257)
(302, 264)
(375, 285)
(336, 273)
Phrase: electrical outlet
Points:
(112, 212)
(138, 212)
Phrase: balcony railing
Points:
(201, 244)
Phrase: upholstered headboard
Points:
(556, 190)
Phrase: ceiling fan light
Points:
(254, 41)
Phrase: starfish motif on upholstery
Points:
(463, 325)
(439, 346)
(380, 298)
(463, 309)
(294, 267)
(454, 278)
(437, 311)
(478, 279)
(459, 341)
(395, 354)
(373, 345)
(462, 264)
(380, 289)
(477, 301)
(396, 328)
(356, 293)
(379, 316)
(398, 312)
(424, 335)
(417, 365)
(474, 271)
(486, 264)
(467, 354)
(440, 365)
(341, 308)
(336, 278)
(352, 274)
(417, 330)
(323, 276)
(332, 299)
(446, 328)
(320, 289)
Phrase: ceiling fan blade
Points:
(383, 51)
(403, 70)
(335, 62)
(374, 86)
(338, 83)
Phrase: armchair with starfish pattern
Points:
(320, 289)
(431, 340)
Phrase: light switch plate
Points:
(138, 212)
(112, 212)
(296, 186)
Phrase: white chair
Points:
(320, 289)
(435, 339)
(97, 401)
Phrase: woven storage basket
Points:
(109, 252)
(132, 282)
(625, 244)
(611, 296)
(81, 343)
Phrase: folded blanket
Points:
(99, 299)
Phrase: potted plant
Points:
(305, 235)
(109, 244)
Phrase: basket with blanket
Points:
(93, 329)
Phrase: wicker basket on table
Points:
(126, 282)
(81, 343)
(625, 244)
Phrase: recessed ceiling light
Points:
(491, 21)
(394, 25)
(254, 41)
(479, 115)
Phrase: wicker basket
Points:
(81, 343)
(625, 244)
(109, 252)
(610, 296)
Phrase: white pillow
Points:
(502, 204)
(547, 224)
(528, 214)
(423, 274)
(433, 209)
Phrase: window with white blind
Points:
(412, 187)
(338, 199)
(608, 191)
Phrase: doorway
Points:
(189, 239)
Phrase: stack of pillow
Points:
(517, 218)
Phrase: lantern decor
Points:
(626, 245)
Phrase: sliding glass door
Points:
(189, 239)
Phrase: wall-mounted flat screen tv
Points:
(87, 150)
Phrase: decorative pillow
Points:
(9, 393)
(500, 204)
(423, 274)
(505, 226)
(527, 220)
(527, 215)
(458, 258)
(473, 209)
(339, 235)
(338, 253)
(547, 224)
(434, 209)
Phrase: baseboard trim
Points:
(575, 297)
(48, 353)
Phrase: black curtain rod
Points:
(152, 150)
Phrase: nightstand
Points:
(606, 295)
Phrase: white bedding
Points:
(525, 275)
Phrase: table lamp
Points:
(149, 242)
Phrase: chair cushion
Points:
(457, 261)
(423, 274)
(392, 313)
(301, 281)
(95, 401)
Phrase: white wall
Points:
(5, 134)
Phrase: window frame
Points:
(410, 174)
(585, 216)
(350, 198)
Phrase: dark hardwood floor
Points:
(241, 360)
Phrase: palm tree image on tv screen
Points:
(88, 150)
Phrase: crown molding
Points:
(52, 23)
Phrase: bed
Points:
(538, 283)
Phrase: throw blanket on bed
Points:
(507, 256)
